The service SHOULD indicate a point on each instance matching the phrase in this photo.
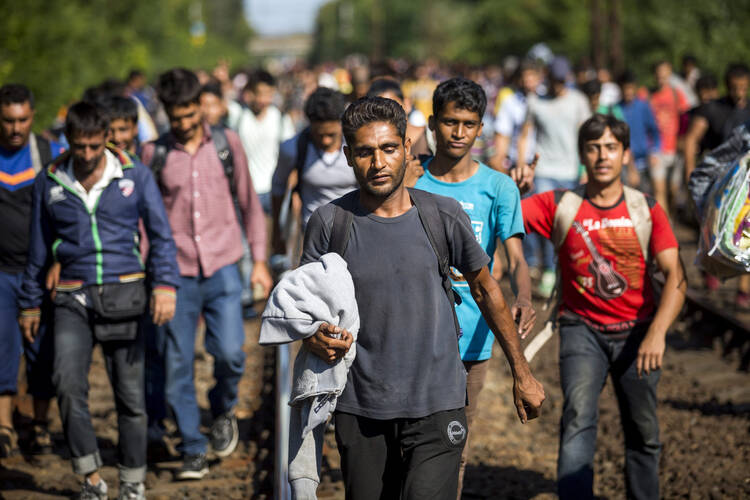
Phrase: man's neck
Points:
(89, 179)
(13, 149)
(192, 144)
(397, 203)
(447, 169)
(604, 195)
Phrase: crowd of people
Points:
(148, 209)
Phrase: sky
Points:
(282, 17)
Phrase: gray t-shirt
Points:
(407, 363)
(325, 176)
(556, 122)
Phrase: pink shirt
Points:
(199, 206)
(668, 103)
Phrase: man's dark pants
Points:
(406, 458)
(586, 357)
(74, 343)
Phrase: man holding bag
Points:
(85, 211)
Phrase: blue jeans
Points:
(74, 342)
(38, 354)
(218, 298)
(533, 244)
(586, 357)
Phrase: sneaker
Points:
(547, 284)
(742, 301)
(712, 282)
(193, 467)
(8, 442)
(41, 441)
(93, 492)
(224, 435)
(132, 491)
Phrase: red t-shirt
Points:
(668, 103)
(606, 286)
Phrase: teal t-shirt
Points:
(493, 203)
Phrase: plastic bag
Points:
(724, 246)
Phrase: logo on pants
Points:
(456, 432)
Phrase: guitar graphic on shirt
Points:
(608, 283)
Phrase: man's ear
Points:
(626, 157)
(431, 122)
(348, 154)
(407, 145)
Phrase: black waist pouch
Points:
(118, 308)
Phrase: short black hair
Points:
(134, 73)
(736, 70)
(85, 118)
(593, 128)
(592, 87)
(16, 93)
(465, 93)
(121, 108)
(178, 87)
(212, 87)
(705, 82)
(259, 76)
(368, 110)
(626, 77)
(382, 85)
(325, 105)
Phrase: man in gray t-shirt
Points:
(400, 422)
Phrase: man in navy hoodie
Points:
(85, 211)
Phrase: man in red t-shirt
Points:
(610, 318)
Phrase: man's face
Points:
(260, 97)
(662, 73)
(15, 125)
(378, 156)
(737, 88)
(185, 121)
(529, 81)
(604, 157)
(87, 151)
(213, 108)
(122, 133)
(326, 136)
(455, 129)
(628, 91)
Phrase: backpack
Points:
(41, 152)
(429, 216)
(223, 151)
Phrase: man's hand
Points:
(53, 279)
(29, 326)
(327, 348)
(528, 395)
(650, 353)
(414, 171)
(524, 315)
(162, 307)
(261, 276)
(523, 174)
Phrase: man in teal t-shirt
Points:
(493, 203)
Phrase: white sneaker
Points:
(132, 491)
(93, 492)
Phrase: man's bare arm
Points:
(528, 392)
(651, 350)
(522, 310)
(502, 145)
(697, 129)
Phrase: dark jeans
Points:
(38, 354)
(586, 357)
(218, 299)
(74, 342)
(406, 458)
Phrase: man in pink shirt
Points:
(668, 103)
(198, 196)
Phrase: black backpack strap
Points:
(221, 143)
(159, 157)
(303, 141)
(342, 225)
(429, 215)
(45, 150)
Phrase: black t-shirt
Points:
(407, 363)
(722, 117)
